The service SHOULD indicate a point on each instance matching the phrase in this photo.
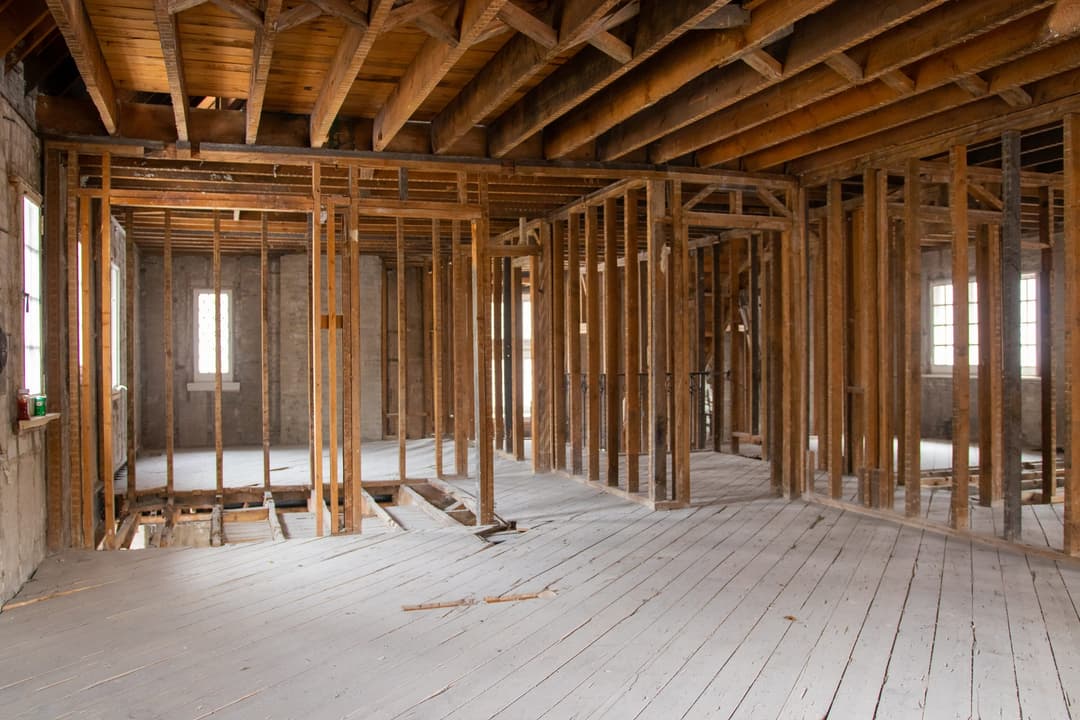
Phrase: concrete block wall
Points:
(22, 455)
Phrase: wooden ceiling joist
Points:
(659, 24)
(169, 34)
(82, 42)
(669, 72)
(261, 56)
(351, 53)
(428, 68)
(923, 34)
(519, 60)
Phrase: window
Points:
(31, 235)
(204, 335)
(941, 299)
(117, 322)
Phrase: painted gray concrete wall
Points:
(22, 455)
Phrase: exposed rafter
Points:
(351, 53)
(169, 35)
(520, 59)
(431, 64)
(262, 54)
(659, 24)
(82, 42)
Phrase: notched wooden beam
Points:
(1016, 96)
(529, 25)
(845, 67)
(973, 84)
(764, 63)
(612, 46)
(169, 36)
(898, 81)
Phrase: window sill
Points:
(202, 386)
(37, 422)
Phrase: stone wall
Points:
(22, 455)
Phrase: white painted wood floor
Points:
(742, 607)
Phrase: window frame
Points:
(23, 192)
(226, 339)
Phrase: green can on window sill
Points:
(39, 405)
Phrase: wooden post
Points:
(1045, 302)
(755, 333)
(219, 464)
(462, 353)
(573, 328)
(316, 349)
(658, 341)
(717, 353)
(355, 371)
(797, 202)
(437, 342)
(680, 376)
(1011, 396)
(264, 353)
(53, 279)
(81, 502)
(332, 361)
(870, 297)
(167, 321)
(857, 299)
(631, 362)
(500, 354)
(611, 339)
(594, 338)
(735, 320)
(1072, 332)
(105, 269)
(912, 341)
(482, 384)
(836, 316)
(961, 440)
(987, 254)
(886, 348)
(558, 345)
(518, 362)
(86, 374)
(542, 385)
(130, 272)
(402, 330)
(785, 445)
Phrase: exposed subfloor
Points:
(737, 608)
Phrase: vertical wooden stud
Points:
(105, 268)
(1011, 397)
(680, 375)
(437, 342)
(1045, 303)
(1071, 255)
(264, 353)
(834, 253)
(482, 384)
(317, 506)
(912, 341)
(632, 362)
(558, 344)
(573, 329)
(961, 440)
(611, 339)
(658, 341)
(594, 338)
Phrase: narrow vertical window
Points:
(204, 335)
(32, 346)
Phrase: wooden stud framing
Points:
(437, 341)
(355, 368)
(558, 344)
(912, 341)
(886, 340)
(53, 279)
(1072, 332)
(834, 253)
(961, 426)
(987, 252)
(462, 354)
(219, 468)
(658, 344)
(332, 362)
(170, 390)
(482, 384)
(1045, 361)
(680, 372)
(80, 500)
(611, 340)
(631, 361)
(735, 424)
(131, 271)
(402, 331)
(540, 274)
(264, 352)
(593, 339)
(717, 352)
(317, 504)
(105, 459)
(1011, 397)
(518, 363)
(500, 353)
(573, 329)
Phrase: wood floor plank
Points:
(948, 692)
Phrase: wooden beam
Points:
(428, 68)
(169, 364)
(543, 387)
(835, 254)
(74, 24)
(593, 351)
(86, 374)
(402, 330)
(131, 273)
(219, 469)
(169, 35)
(961, 390)
(332, 362)
(659, 25)
(262, 56)
(482, 384)
(1071, 254)
(437, 321)
(657, 342)
(612, 351)
(264, 350)
(105, 459)
(680, 372)
(356, 489)
(352, 51)
(735, 344)
(717, 352)
(612, 46)
(669, 72)
(242, 10)
(573, 329)
(886, 346)
(631, 338)
(558, 343)
(77, 472)
(513, 66)
(297, 15)
(341, 9)
(764, 64)
(989, 379)
(1045, 301)
(912, 313)
(1011, 394)
(315, 305)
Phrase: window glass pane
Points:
(204, 362)
(31, 236)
